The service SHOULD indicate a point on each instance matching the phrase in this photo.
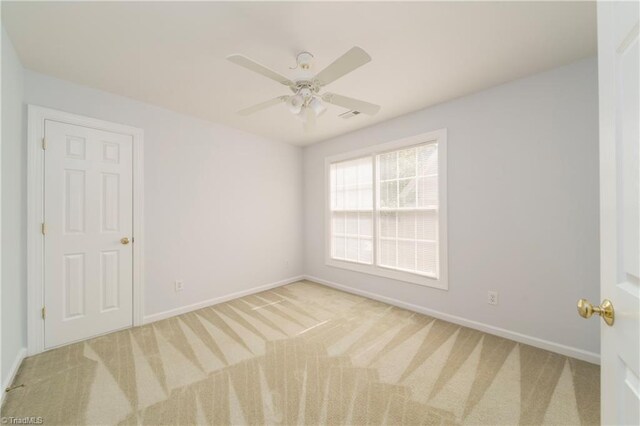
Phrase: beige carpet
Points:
(304, 354)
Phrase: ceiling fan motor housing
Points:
(305, 92)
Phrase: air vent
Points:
(349, 114)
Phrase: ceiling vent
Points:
(349, 114)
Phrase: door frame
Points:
(37, 116)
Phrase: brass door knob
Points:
(124, 240)
(605, 310)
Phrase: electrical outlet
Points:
(492, 298)
(179, 286)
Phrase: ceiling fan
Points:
(306, 102)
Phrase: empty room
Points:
(320, 213)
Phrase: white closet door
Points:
(88, 212)
(618, 78)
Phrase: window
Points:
(407, 181)
(387, 210)
(352, 210)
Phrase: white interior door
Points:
(88, 213)
(620, 209)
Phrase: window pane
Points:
(388, 166)
(339, 198)
(366, 224)
(427, 225)
(351, 224)
(388, 253)
(339, 186)
(407, 225)
(366, 250)
(388, 224)
(428, 160)
(351, 184)
(351, 202)
(339, 174)
(428, 192)
(407, 255)
(338, 223)
(365, 194)
(407, 188)
(407, 163)
(352, 249)
(427, 258)
(338, 247)
(350, 172)
(389, 194)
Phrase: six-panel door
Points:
(88, 210)
(619, 88)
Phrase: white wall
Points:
(14, 208)
(223, 208)
(523, 205)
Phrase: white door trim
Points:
(35, 214)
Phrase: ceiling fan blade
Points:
(263, 105)
(252, 65)
(354, 58)
(352, 104)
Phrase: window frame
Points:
(441, 281)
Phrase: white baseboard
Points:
(22, 353)
(507, 334)
(209, 302)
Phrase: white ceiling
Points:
(172, 54)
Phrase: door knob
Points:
(124, 240)
(605, 310)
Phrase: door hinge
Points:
(44, 228)
(44, 143)
(44, 312)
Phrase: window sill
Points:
(379, 271)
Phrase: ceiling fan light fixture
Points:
(318, 106)
(295, 103)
